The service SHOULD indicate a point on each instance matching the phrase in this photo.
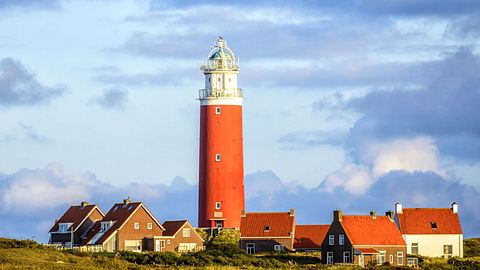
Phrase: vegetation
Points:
(471, 247)
(222, 254)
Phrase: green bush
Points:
(471, 247)
(14, 243)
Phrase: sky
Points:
(350, 105)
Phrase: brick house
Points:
(125, 227)
(363, 240)
(70, 229)
(309, 237)
(179, 236)
(433, 232)
(267, 232)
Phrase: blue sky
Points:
(352, 105)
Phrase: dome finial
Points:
(220, 42)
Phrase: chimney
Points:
(292, 212)
(398, 208)
(373, 214)
(454, 207)
(244, 214)
(84, 203)
(389, 214)
(337, 215)
(127, 200)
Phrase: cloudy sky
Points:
(349, 104)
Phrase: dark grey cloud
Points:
(112, 98)
(446, 108)
(27, 209)
(18, 86)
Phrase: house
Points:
(363, 240)
(433, 232)
(125, 227)
(70, 229)
(179, 236)
(267, 232)
(309, 237)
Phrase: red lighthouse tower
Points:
(221, 191)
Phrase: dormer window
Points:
(433, 224)
(63, 227)
(105, 225)
(266, 228)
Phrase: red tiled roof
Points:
(75, 214)
(119, 213)
(365, 230)
(368, 250)
(172, 227)
(419, 221)
(279, 224)
(310, 236)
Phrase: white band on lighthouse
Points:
(221, 101)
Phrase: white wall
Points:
(431, 245)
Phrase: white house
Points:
(432, 232)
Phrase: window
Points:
(346, 257)
(218, 157)
(412, 261)
(186, 232)
(218, 205)
(330, 257)
(168, 242)
(250, 248)
(391, 259)
(136, 226)
(219, 224)
(133, 245)
(278, 248)
(415, 248)
(63, 227)
(266, 228)
(341, 239)
(381, 258)
(400, 258)
(162, 243)
(218, 110)
(149, 226)
(447, 250)
(433, 224)
(105, 225)
(331, 239)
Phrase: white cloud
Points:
(353, 178)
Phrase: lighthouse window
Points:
(218, 157)
(218, 205)
(217, 110)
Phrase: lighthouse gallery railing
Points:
(213, 93)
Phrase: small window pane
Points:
(136, 225)
(218, 157)
(186, 232)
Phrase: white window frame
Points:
(331, 239)
(168, 242)
(278, 247)
(250, 248)
(136, 226)
(391, 260)
(400, 259)
(447, 254)
(329, 257)
(186, 232)
(341, 239)
(218, 157)
(383, 255)
(416, 246)
(218, 205)
(149, 226)
(346, 257)
(218, 110)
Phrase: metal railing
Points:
(213, 93)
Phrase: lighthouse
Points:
(221, 184)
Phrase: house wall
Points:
(431, 245)
(389, 250)
(336, 229)
(179, 239)
(267, 245)
(128, 232)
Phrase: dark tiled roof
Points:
(119, 213)
(273, 224)
(310, 236)
(75, 214)
(419, 221)
(172, 227)
(366, 230)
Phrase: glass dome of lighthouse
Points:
(221, 57)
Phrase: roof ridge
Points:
(287, 212)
